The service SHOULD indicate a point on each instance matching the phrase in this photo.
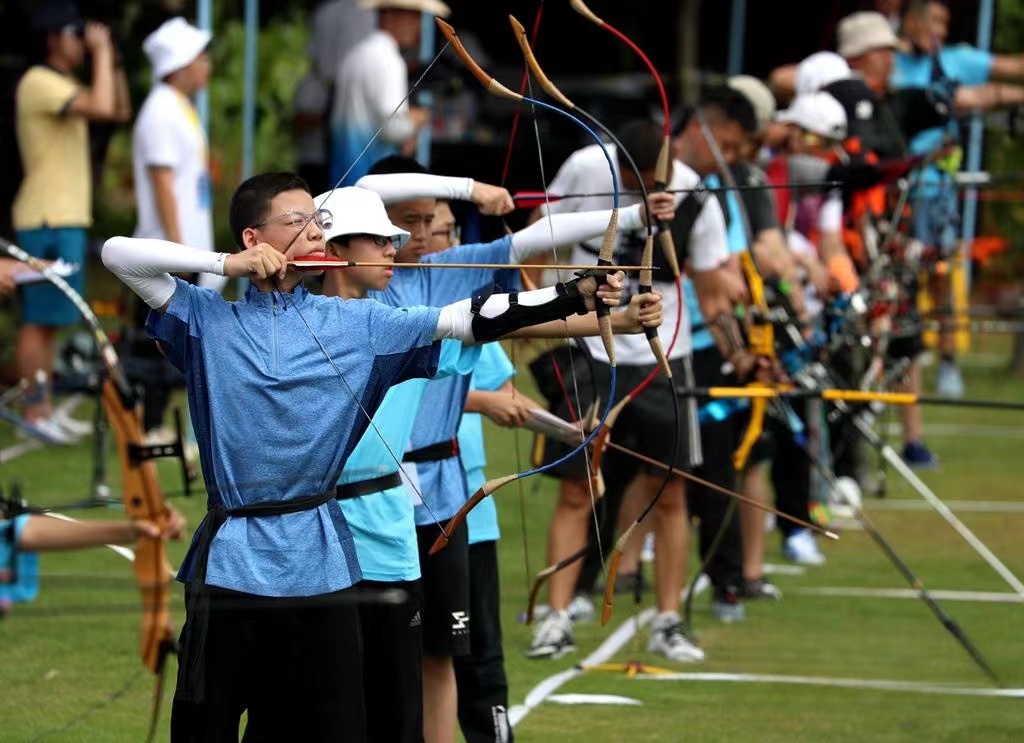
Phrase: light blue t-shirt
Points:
(443, 484)
(382, 523)
(275, 421)
(737, 241)
(962, 63)
(19, 570)
(492, 371)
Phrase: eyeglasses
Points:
(298, 220)
(381, 241)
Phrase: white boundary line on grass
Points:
(985, 597)
(613, 644)
(870, 684)
(963, 506)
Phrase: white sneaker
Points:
(48, 431)
(581, 609)
(553, 637)
(669, 638)
(73, 426)
(801, 548)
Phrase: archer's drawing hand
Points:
(262, 262)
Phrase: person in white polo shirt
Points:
(170, 165)
(370, 117)
(169, 149)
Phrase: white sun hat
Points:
(760, 97)
(865, 32)
(173, 46)
(819, 113)
(818, 70)
(434, 7)
(358, 211)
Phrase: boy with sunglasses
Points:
(281, 386)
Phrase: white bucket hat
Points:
(173, 46)
(818, 70)
(864, 32)
(819, 113)
(359, 211)
(434, 7)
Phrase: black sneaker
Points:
(761, 588)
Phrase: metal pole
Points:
(249, 81)
(427, 42)
(204, 20)
(986, 17)
(737, 32)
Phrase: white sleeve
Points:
(569, 229)
(146, 265)
(709, 247)
(155, 139)
(394, 187)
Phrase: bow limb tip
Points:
(580, 7)
(613, 571)
(492, 85)
(531, 61)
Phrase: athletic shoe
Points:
(801, 548)
(669, 637)
(949, 382)
(761, 588)
(553, 637)
(73, 426)
(726, 606)
(48, 431)
(919, 456)
(581, 609)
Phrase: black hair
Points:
(920, 6)
(251, 200)
(396, 164)
(731, 105)
(642, 139)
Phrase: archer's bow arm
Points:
(145, 265)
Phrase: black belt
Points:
(433, 452)
(366, 487)
(197, 601)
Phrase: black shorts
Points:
(480, 675)
(274, 657)
(445, 592)
(905, 347)
(645, 424)
(393, 663)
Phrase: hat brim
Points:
(189, 51)
(434, 7)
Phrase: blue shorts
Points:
(936, 220)
(42, 303)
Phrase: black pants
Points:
(480, 676)
(791, 473)
(712, 509)
(295, 665)
(719, 440)
(393, 665)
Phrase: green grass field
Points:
(69, 666)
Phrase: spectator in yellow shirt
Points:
(53, 206)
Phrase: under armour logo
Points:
(460, 621)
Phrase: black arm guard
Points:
(568, 302)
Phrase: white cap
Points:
(864, 32)
(761, 99)
(434, 7)
(358, 211)
(818, 70)
(819, 113)
(173, 46)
